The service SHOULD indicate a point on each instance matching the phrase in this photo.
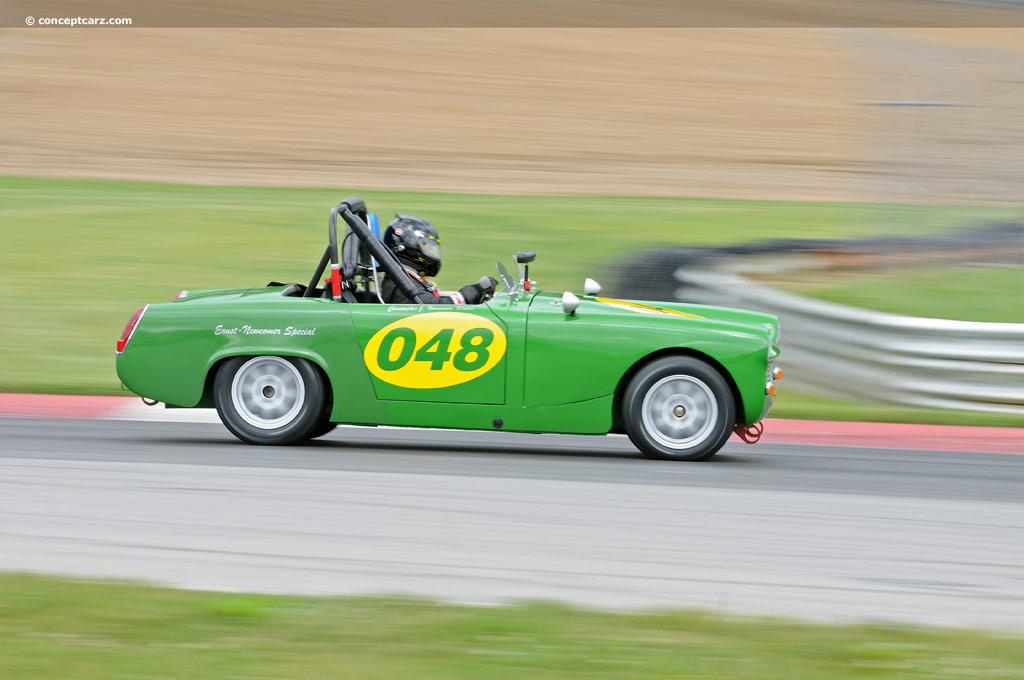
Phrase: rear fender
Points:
(206, 400)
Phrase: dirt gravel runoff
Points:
(746, 113)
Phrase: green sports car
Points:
(288, 362)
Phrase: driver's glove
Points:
(481, 291)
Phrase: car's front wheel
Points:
(678, 408)
(270, 399)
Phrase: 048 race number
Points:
(436, 349)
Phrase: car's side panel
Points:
(585, 417)
(432, 353)
(589, 417)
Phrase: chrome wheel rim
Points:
(268, 392)
(679, 412)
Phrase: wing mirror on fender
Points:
(525, 257)
(569, 303)
(591, 287)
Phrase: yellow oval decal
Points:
(436, 349)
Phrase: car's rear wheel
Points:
(270, 399)
(678, 408)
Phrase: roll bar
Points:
(324, 259)
(353, 211)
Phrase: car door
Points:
(433, 353)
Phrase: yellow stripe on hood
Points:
(644, 309)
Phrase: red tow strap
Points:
(751, 434)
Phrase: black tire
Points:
(678, 408)
(269, 399)
(325, 427)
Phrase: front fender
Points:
(577, 358)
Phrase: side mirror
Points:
(591, 287)
(569, 303)
(525, 257)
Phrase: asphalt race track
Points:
(828, 533)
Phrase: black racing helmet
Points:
(414, 241)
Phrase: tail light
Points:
(129, 329)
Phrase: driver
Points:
(415, 243)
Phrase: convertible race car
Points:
(288, 362)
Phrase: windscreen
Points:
(506, 278)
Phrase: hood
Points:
(666, 312)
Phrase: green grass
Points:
(57, 629)
(966, 293)
(77, 257)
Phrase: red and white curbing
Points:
(776, 431)
(88, 407)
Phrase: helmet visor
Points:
(431, 248)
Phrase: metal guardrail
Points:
(835, 349)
